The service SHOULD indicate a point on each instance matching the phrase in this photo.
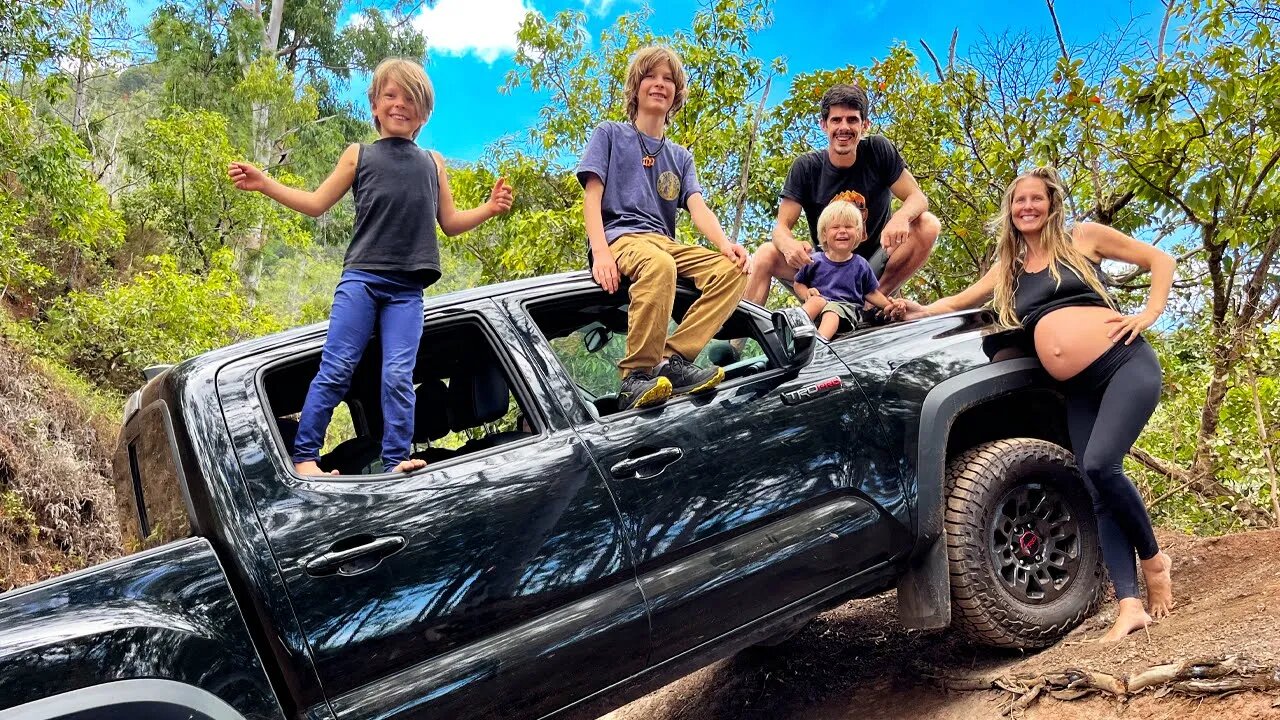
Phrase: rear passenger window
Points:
(465, 397)
(149, 489)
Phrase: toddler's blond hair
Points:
(841, 211)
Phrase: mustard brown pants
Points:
(653, 262)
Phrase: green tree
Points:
(55, 220)
(187, 197)
(162, 315)
(1199, 137)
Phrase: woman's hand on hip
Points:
(1129, 327)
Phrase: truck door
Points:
(489, 584)
(739, 502)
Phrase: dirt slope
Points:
(57, 510)
(857, 663)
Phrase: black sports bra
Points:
(1035, 294)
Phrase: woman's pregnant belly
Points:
(1069, 339)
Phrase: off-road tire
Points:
(997, 493)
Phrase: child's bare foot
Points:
(1156, 573)
(1131, 617)
(409, 465)
(311, 468)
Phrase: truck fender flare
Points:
(924, 591)
(125, 699)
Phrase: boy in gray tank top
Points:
(400, 192)
(634, 181)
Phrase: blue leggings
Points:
(364, 300)
(1108, 404)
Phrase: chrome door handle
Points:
(632, 467)
(355, 560)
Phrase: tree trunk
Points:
(250, 256)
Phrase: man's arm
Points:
(914, 203)
(707, 224)
(795, 252)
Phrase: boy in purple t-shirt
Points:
(838, 283)
(634, 181)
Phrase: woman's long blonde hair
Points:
(1011, 246)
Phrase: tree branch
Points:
(1057, 29)
(937, 66)
(1264, 437)
(1262, 176)
(1162, 467)
(1164, 29)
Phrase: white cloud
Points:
(484, 28)
(599, 8)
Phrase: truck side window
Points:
(149, 490)
(588, 334)
(465, 401)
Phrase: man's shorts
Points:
(878, 261)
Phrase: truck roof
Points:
(243, 348)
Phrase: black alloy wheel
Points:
(1035, 542)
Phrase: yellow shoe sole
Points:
(711, 382)
(656, 395)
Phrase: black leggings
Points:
(1108, 404)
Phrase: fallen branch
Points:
(1201, 676)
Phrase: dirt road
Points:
(857, 663)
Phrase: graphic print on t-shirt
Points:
(668, 185)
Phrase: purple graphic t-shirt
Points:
(638, 199)
(849, 281)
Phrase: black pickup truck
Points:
(556, 557)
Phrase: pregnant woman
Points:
(1047, 279)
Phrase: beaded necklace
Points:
(644, 148)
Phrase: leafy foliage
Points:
(162, 315)
(54, 219)
(187, 198)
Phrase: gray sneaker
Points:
(686, 377)
(640, 389)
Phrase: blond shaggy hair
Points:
(840, 211)
(1055, 239)
(642, 63)
(411, 78)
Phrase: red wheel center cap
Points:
(1029, 543)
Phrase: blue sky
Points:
(471, 42)
(470, 45)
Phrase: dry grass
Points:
(57, 503)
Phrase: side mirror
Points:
(596, 338)
(795, 334)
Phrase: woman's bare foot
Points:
(1156, 573)
(311, 468)
(1131, 617)
(410, 465)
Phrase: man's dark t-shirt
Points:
(813, 181)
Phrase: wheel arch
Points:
(126, 699)
(1004, 399)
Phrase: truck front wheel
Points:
(1022, 544)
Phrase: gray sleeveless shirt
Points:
(397, 192)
